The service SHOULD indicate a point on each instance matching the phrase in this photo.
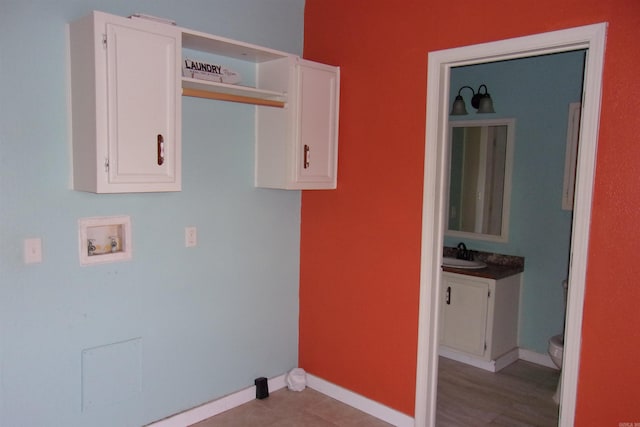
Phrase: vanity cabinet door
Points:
(464, 311)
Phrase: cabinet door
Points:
(316, 150)
(464, 315)
(143, 108)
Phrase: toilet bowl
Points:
(556, 347)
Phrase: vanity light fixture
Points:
(480, 101)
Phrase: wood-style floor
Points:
(519, 395)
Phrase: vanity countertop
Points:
(498, 266)
(491, 271)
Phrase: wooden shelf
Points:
(234, 93)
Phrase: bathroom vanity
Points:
(479, 313)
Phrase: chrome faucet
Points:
(463, 252)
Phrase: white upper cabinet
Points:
(126, 89)
(125, 77)
(297, 147)
(317, 122)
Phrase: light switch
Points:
(190, 237)
(32, 250)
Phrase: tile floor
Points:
(519, 395)
(285, 408)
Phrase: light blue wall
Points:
(536, 92)
(192, 324)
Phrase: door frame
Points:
(589, 37)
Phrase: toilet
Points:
(556, 349)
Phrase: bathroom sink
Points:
(462, 263)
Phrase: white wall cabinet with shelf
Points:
(479, 320)
(126, 78)
(126, 110)
(296, 115)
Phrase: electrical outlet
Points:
(190, 237)
(33, 251)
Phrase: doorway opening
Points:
(592, 39)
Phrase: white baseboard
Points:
(501, 362)
(215, 407)
(488, 365)
(507, 359)
(537, 358)
(359, 402)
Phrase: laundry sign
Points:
(206, 71)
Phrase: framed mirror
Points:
(480, 170)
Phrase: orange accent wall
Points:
(360, 244)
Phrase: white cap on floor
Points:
(296, 379)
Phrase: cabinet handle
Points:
(160, 150)
(448, 295)
(306, 156)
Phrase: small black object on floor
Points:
(262, 388)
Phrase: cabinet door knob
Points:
(306, 156)
(160, 150)
(448, 295)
